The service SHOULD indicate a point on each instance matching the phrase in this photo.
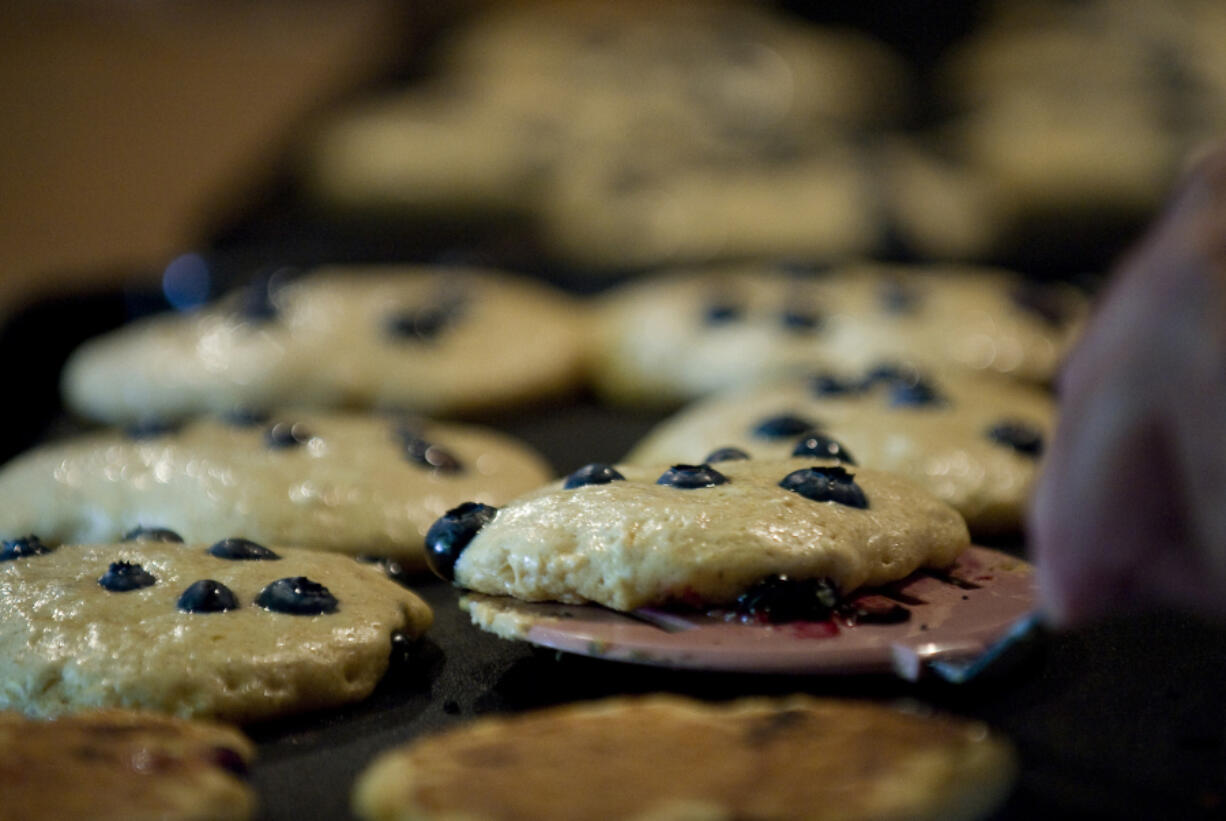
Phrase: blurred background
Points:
(590, 137)
(131, 128)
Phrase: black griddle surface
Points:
(1123, 720)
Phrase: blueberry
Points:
(207, 596)
(898, 297)
(242, 550)
(152, 534)
(448, 536)
(428, 455)
(916, 393)
(907, 388)
(121, 577)
(825, 484)
(1041, 301)
(426, 322)
(781, 599)
(245, 418)
(801, 320)
(888, 373)
(22, 547)
(1021, 436)
(721, 313)
(824, 384)
(728, 454)
(150, 429)
(284, 435)
(783, 426)
(691, 477)
(596, 473)
(297, 596)
(821, 446)
(421, 324)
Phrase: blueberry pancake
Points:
(700, 535)
(426, 151)
(120, 765)
(531, 96)
(234, 630)
(676, 337)
(435, 340)
(972, 441)
(759, 196)
(983, 320)
(668, 758)
(815, 194)
(348, 483)
(632, 133)
(670, 338)
(734, 66)
(1042, 92)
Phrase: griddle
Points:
(1122, 720)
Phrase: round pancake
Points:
(634, 541)
(347, 483)
(176, 628)
(666, 758)
(433, 340)
(119, 765)
(679, 336)
(949, 434)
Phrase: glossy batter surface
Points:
(339, 337)
(346, 483)
(633, 542)
(68, 643)
(944, 445)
